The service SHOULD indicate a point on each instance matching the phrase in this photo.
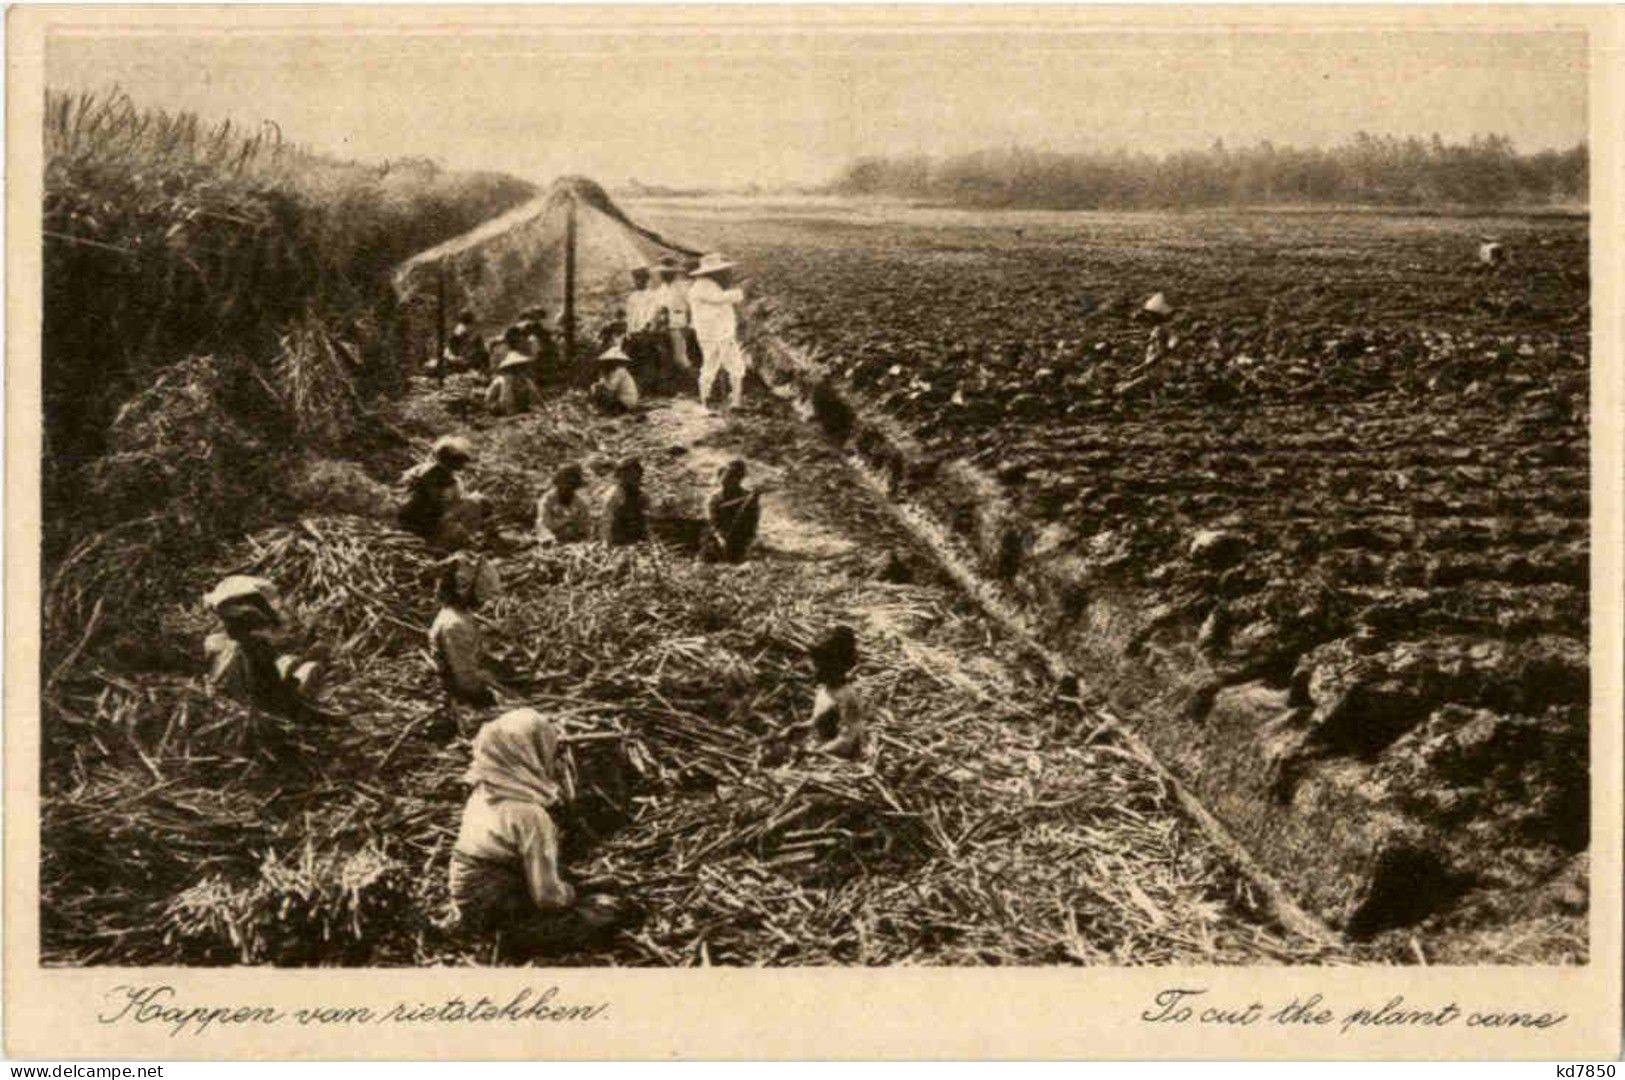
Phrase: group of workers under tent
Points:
(505, 869)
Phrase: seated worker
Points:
(615, 392)
(454, 637)
(244, 662)
(839, 723)
(435, 505)
(563, 515)
(732, 516)
(612, 333)
(671, 313)
(626, 511)
(505, 864)
(645, 362)
(512, 390)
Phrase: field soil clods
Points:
(1322, 532)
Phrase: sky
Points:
(785, 104)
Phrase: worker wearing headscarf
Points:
(625, 517)
(466, 581)
(732, 516)
(505, 864)
(244, 661)
(563, 515)
(436, 506)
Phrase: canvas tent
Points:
(569, 251)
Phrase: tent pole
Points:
(440, 323)
(570, 286)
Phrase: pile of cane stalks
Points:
(183, 829)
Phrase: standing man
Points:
(511, 390)
(712, 301)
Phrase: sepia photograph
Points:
(798, 491)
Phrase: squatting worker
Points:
(712, 302)
(612, 332)
(626, 512)
(435, 505)
(564, 516)
(615, 391)
(732, 516)
(641, 301)
(466, 581)
(645, 334)
(244, 663)
(513, 389)
(505, 864)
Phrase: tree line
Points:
(1486, 170)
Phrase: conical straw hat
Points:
(241, 589)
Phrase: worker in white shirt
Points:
(644, 338)
(712, 301)
(671, 307)
(615, 391)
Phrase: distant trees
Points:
(1369, 169)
